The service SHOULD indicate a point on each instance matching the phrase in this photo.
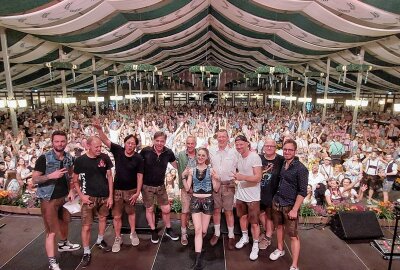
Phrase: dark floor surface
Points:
(22, 248)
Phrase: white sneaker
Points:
(116, 247)
(134, 239)
(67, 246)
(254, 252)
(243, 241)
(276, 254)
(294, 268)
(54, 266)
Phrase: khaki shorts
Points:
(280, 217)
(98, 206)
(150, 193)
(52, 213)
(224, 197)
(185, 199)
(251, 209)
(121, 202)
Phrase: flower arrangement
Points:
(384, 210)
(307, 210)
(5, 197)
(333, 209)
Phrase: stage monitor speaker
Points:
(356, 225)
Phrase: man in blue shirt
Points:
(287, 201)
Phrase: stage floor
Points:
(22, 248)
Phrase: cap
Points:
(328, 158)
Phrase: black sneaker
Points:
(86, 260)
(170, 233)
(103, 246)
(154, 236)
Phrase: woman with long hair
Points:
(204, 180)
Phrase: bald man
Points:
(94, 183)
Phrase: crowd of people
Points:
(266, 163)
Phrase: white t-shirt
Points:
(114, 136)
(248, 191)
(313, 180)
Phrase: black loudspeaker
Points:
(356, 225)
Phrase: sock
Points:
(183, 230)
(217, 231)
(99, 239)
(230, 232)
(52, 260)
(245, 234)
(86, 250)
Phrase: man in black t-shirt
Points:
(156, 159)
(128, 182)
(93, 182)
(271, 166)
(52, 175)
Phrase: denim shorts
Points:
(387, 185)
(202, 205)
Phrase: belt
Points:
(227, 183)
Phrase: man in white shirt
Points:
(224, 162)
(248, 193)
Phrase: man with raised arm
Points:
(128, 183)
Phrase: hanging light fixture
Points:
(353, 68)
(304, 99)
(65, 100)
(140, 69)
(353, 102)
(57, 65)
(272, 71)
(94, 99)
(13, 103)
(325, 101)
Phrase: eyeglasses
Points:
(288, 150)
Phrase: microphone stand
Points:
(397, 215)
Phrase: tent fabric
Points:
(237, 35)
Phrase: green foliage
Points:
(205, 69)
(176, 205)
(140, 67)
(272, 70)
(307, 210)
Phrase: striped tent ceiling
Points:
(176, 34)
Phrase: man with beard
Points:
(156, 159)
(93, 169)
(128, 182)
(287, 201)
(52, 175)
(271, 167)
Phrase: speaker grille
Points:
(356, 225)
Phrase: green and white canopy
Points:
(174, 35)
